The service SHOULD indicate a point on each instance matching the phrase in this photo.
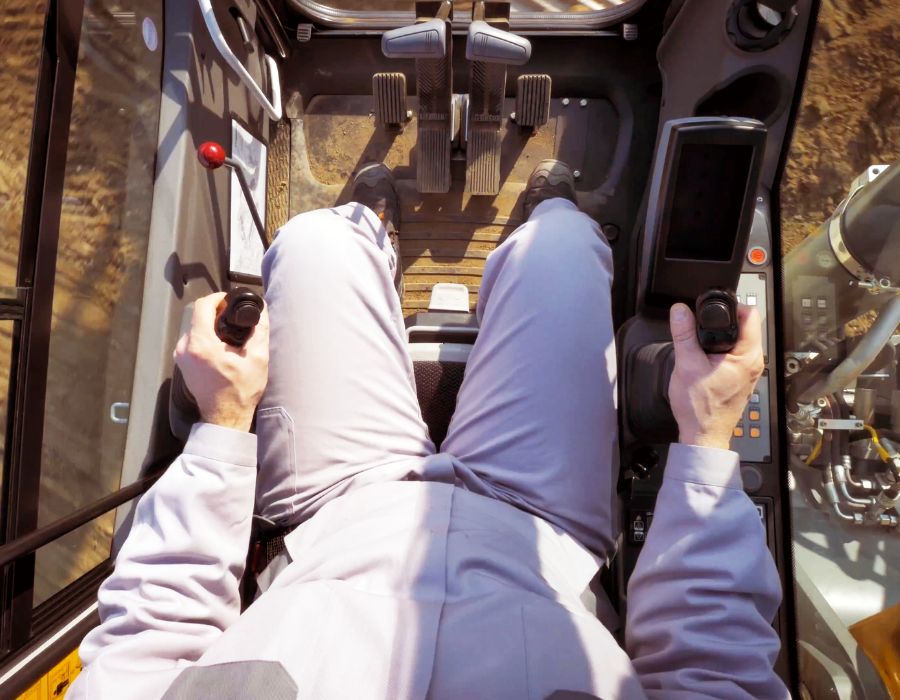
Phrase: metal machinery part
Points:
(841, 391)
(842, 310)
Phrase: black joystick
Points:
(717, 321)
(236, 317)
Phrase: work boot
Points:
(551, 178)
(374, 187)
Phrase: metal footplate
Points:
(490, 49)
(533, 100)
(389, 90)
(429, 43)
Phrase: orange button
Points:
(753, 415)
(738, 432)
(754, 432)
(757, 255)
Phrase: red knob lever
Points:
(211, 155)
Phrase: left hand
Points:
(227, 382)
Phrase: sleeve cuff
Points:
(708, 466)
(222, 444)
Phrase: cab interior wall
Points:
(187, 255)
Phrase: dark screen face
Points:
(706, 207)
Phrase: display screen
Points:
(706, 207)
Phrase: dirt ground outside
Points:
(850, 119)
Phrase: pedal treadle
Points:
(433, 170)
(533, 100)
(483, 161)
(389, 90)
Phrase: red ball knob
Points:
(211, 155)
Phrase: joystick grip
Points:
(237, 316)
(717, 321)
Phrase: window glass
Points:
(463, 9)
(21, 31)
(839, 313)
(73, 555)
(100, 271)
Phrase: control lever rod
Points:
(212, 157)
(236, 317)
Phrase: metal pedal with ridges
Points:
(483, 161)
(433, 169)
(389, 90)
(533, 100)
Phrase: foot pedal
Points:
(483, 161)
(433, 170)
(533, 100)
(389, 90)
(434, 79)
(490, 48)
(430, 43)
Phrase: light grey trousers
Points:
(535, 424)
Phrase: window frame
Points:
(32, 307)
(333, 18)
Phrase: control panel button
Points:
(754, 397)
(753, 414)
(752, 478)
(738, 431)
(757, 255)
(638, 524)
(755, 431)
(715, 315)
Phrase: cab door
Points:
(110, 227)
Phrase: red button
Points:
(211, 155)
(757, 255)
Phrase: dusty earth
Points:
(850, 119)
(850, 116)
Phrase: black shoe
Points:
(551, 178)
(374, 187)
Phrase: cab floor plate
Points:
(446, 237)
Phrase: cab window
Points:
(103, 237)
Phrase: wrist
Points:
(699, 439)
(229, 417)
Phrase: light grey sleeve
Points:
(705, 589)
(175, 585)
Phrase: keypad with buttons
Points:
(751, 437)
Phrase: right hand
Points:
(227, 382)
(708, 393)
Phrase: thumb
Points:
(684, 335)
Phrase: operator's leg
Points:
(340, 409)
(535, 423)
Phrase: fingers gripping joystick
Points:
(714, 329)
(717, 322)
(237, 315)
